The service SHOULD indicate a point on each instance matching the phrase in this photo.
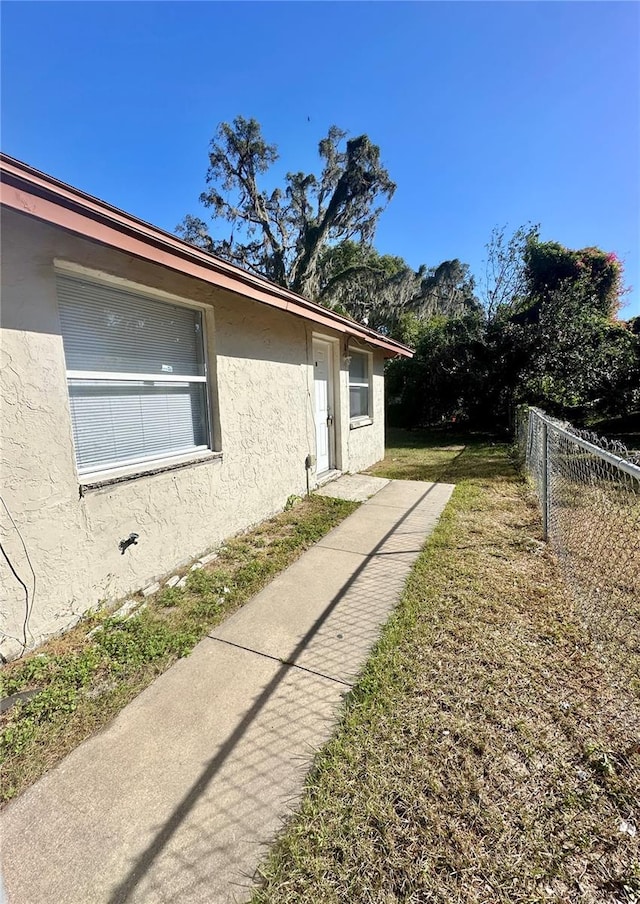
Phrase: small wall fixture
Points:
(131, 540)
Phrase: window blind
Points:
(112, 335)
(109, 329)
(358, 384)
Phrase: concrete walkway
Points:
(179, 798)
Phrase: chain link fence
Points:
(589, 493)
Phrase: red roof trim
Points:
(33, 193)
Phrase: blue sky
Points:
(485, 113)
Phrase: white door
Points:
(323, 388)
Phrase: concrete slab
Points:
(179, 798)
(281, 620)
(325, 612)
(354, 487)
(404, 493)
(371, 525)
(327, 623)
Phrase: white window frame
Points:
(131, 467)
(361, 420)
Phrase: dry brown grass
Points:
(595, 530)
(484, 756)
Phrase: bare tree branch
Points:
(297, 224)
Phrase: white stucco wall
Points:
(364, 445)
(263, 424)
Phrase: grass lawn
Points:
(77, 683)
(484, 755)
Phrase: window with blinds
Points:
(359, 389)
(136, 375)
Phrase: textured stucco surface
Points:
(262, 391)
(364, 445)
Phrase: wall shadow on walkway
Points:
(216, 820)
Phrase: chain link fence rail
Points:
(589, 494)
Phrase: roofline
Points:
(38, 195)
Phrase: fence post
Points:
(545, 481)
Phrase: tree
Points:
(315, 234)
(372, 288)
(447, 289)
(283, 234)
(579, 359)
(572, 356)
(548, 336)
(383, 291)
(592, 274)
(445, 378)
(504, 281)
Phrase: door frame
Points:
(333, 347)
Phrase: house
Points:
(148, 388)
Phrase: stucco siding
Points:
(365, 445)
(263, 424)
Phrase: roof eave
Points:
(40, 196)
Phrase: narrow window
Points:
(136, 375)
(359, 385)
